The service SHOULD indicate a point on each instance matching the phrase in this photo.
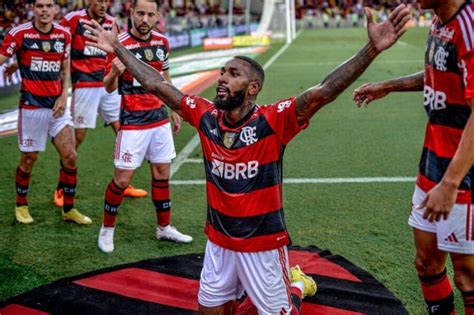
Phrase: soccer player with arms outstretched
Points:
(42, 49)
(243, 145)
(442, 216)
(145, 130)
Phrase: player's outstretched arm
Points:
(381, 37)
(149, 78)
(372, 91)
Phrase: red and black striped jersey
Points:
(449, 84)
(39, 57)
(87, 62)
(243, 167)
(139, 108)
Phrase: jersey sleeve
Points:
(166, 65)
(466, 64)
(65, 23)
(282, 118)
(67, 49)
(193, 108)
(10, 45)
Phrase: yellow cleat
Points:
(22, 215)
(310, 286)
(131, 191)
(75, 216)
(58, 198)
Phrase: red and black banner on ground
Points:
(169, 286)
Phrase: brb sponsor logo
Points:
(93, 51)
(435, 100)
(283, 105)
(40, 65)
(235, 171)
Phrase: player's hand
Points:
(9, 71)
(59, 107)
(384, 35)
(176, 123)
(439, 202)
(117, 66)
(99, 37)
(368, 92)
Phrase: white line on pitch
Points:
(402, 43)
(334, 180)
(197, 161)
(193, 143)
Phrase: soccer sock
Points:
(22, 181)
(438, 293)
(113, 199)
(160, 194)
(60, 185)
(296, 299)
(468, 298)
(68, 181)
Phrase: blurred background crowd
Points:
(182, 15)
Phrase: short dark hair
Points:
(158, 2)
(256, 67)
(54, 1)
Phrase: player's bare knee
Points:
(122, 180)
(28, 160)
(69, 158)
(464, 278)
(427, 266)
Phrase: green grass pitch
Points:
(366, 223)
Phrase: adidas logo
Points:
(34, 46)
(451, 238)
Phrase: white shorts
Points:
(264, 276)
(454, 235)
(86, 102)
(154, 144)
(35, 125)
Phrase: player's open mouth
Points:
(222, 91)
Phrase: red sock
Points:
(438, 293)
(113, 199)
(160, 194)
(296, 299)
(68, 181)
(468, 298)
(22, 182)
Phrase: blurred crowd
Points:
(198, 14)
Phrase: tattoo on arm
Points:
(412, 82)
(334, 84)
(150, 79)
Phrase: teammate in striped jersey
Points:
(42, 49)
(243, 145)
(145, 130)
(442, 216)
(89, 96)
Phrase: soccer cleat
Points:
(106, 239)
(131, 191)
(170, 233)
(58, 198)
(310, 287)
(75, 216)
(22, 215)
